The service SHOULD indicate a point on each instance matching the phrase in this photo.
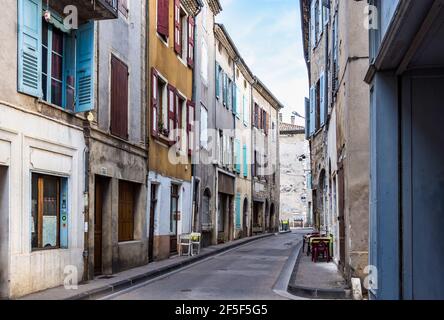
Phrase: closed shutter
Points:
(267, 122)
(323, 104)
(225, 88)
(307, 119)
(119, 98)
(217, 80)
(238, 211)
(177, 28)
(126, 211)
(245, 160)
(320, 19)
(29, 47)
(172, 122)
(64, 205)
(85, 68)
(313, 24)
(154, 103)
(190, 41)
(312, 110)
(190, 121)
(163, 17)
(256, 115)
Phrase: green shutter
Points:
(238, 211)
(29, 47)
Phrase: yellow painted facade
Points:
(171, 67)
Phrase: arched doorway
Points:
(245, 232)
(272, 218)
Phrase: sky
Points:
(267, 34)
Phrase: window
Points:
(162, 119)
(203, 127)
(206, 212)
(237, 156)
(229, 94)
(174, 209)
(219, 80)
(318, 105)
(163, 19)
(127, 192)
(231, 155)
(55, 64)
(119, 98)
(183, 34)
(49, 212)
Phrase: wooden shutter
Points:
(177, 28)
(163, 17)
(119, 98)
(323, 103)
(267, 122)
(190, 41)
(190, 121)
(123, 7)
(85, 68)
(126, 211)
(307, 118)
(312, 110)
(320, 18)
(154, 103)
(238, 156)
(234, 90)
(172, 122)
(256, 115)
(178, 116)
(29, 47)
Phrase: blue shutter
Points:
(245, 161)
(307, 118)
(217, 80)
(323, 104)
(234, 90)
(320, 19)
(64, 205)
(312, 110)
(85, 68)
(29, 47)
(313, 24)
(238, 211)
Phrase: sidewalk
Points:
(317, 280)
(105, 285)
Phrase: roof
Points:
(290, 128)
(215, 6)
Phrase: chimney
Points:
(280, 117)
(293, 120)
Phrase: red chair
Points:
(320, 248)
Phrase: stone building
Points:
(294, 158)
(336, 52)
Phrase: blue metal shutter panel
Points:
(85, 68)
(307, 118)
(238, 211)
(313, 24)
(29, 47)
(312, 111)
(323, 103)
(217, 80)
(245, 159)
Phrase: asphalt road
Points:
(249, 272)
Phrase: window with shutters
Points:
(163, 19)
(54, 63)
(119, 98)
(318, 105)
(49, 212)
(127, 192)
(219, 80)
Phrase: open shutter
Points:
(323, 104)
(225, 88)
(172, 123)
(312, 111)
(190, 41)
(177, 28)
(217, 80)
(85, 68)
(237, 156)
(313, 24)
(238, 212)
(326, 16)
(320, 19)
(29, 47)
(154, 103)
(267, 122)
(190, 120)
(119, 98)
(245, 161)
(163, 17)
(307, 118)
(235, 92)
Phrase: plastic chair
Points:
(185, 242)
(195, 242)
(320, 248)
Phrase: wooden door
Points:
(126, 211)
(152, 218)
(98, 211)
(174, 217)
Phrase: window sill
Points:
(35, 250)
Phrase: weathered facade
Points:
(204, 170)
(265, 159)
(336, 51)
(171, 39)
(42, 146)
(407, 177)
(294, 159)
(117, 146)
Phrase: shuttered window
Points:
(119, 98)
(154, 103)
(237, 156)
(307, 118)
(163, 18)
(245, 160)
(218, 80)
(238, 211)
(190, 122)
(190, 59)
(256, 115)
(126, 211)
(177, 27)
(322, 101)
(172, 124)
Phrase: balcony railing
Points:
(89, 9)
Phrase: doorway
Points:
(272, 218)
(245, 218)
(101, 185)
(341, 217)
(174, 217)
(153, 206)
(4, 233)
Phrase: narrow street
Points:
(246, 272)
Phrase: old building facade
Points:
(405, 79)
(294, 158)
(336, 52)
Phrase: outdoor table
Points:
(306, 240)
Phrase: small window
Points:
(49, 205)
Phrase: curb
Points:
(316, 293)
(135, 280)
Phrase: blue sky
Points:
(268, 36)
